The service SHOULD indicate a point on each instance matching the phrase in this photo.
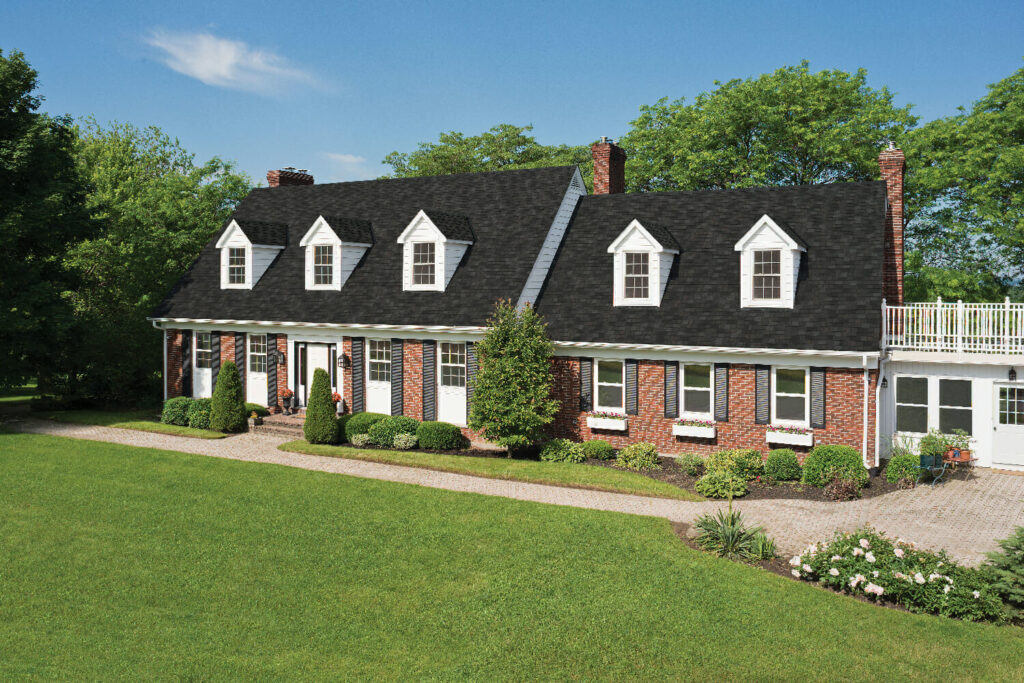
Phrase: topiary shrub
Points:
(360, 423)
(440, 436)
(404, 441)
(360, 440)
(176, 411)
(199, 413)
(1005, 572)
(321, 424)
(342, 421)
(902, 469)
(251, 408)
(719, 484)
(744, 463)
(383, 432)
(562, 450)
(692, 464)
(782, 465)
(598, 449)
(639, 456)
(228, 410)
(825, 463)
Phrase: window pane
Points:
(789, 407)
(789, 381)
(696, 401)
(423, 263)
(955, 392)
(912, 419)
(1011, 406)
(609, 371)
(697, 376)
(609, 397)
(951, 419)
(767, 262)
(453, 376)
(323, 260)
(768, 274)
(912, 390)
(380, 372)
(236, 266)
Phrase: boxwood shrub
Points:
(902, 469)
(828, 462)
(440, 436)
(782, 465)
(199, 413)
(562, 450)
(360, 423)
(383, 432)
(176, 411)
(639, 456)
(228, 411)
(598, 449)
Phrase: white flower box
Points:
(789, 438)
(609, 423)
(694, 431)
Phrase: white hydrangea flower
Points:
(796, 573)
(976, 595)
(795, 562)
(898, 552)
(870, 556)
(919, 578)
(864, 543)
(837, 558)
(807, 568)
(857, 552)
(874, 589)
(833, 571)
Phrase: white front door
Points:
(378, 376)
(1008, 437)
(451, 384)
(256, 379)
(202, 364)
(317, 356)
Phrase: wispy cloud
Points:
(349, 167)
(227, 63)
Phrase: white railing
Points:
(956, 327)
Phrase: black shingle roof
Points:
(351, 229)
(839, 289)
(510, 213)
(452, 226)
(263, 232)
(660, 233)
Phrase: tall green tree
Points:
(156, 208)
(512, 395)
(41, 214)
(788, 127)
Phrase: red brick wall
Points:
(412, 378)
(346, 373)
(227, 347)
(282, 372)
(609, 168)
(843, 412)
(173, 370)
(892, 164)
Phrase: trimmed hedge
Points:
(321, 424)
(825, 463)
(383, 432)
(782, 465)
(360, 423)
(440, 436)
(176, 411)
(199, 413)
(562, 450)
(639, 456)
(228, 411)
(598, 449)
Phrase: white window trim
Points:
(934, 405)
(440, 253)
(250, 354)
(387, 345)
(939, 405)
(438, 256)
(225, 279)
(806, 422)
(682, 388)
(597, 385)
(441, 364)
(654, 266)
(927, 404)
(195, 349)
(789, 264)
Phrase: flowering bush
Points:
(287, 393)
(608, 415)
(868, 563)
(688, 422)
(335, 397)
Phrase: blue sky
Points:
(335, 86)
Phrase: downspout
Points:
(864, 443)
(878, 414)
(163, 376)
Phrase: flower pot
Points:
(957, 455)
(607, 423)
(694, 431)
(789, 438)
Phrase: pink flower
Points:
(919, 578)
(856, 580)
(796, 573)
(870, 556)
(898, 552)
(837, 558)
(976, 595)
(864, 543)
(807, 568)
(874, 574)
(857, 552)
(794, 561)
(833, 571)
(874, 589)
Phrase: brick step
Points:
(285, 430)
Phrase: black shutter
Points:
(471, 368)
(358, 377)
(396, 376)
(297, 367)
(186, 363)
(586, 384)
(632, 404)
(671, 388)
(214, 358)
(818, 398)
(429, 380)
(332, 359)
(762, 394)
(240, 357)
(721, 392)
(271, 370)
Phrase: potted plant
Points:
(790, 435)
(288, 404)
(255, 419)
(958, 446)
(339, 404)
(603, 419)
(698, 429)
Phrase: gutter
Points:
(163, 375)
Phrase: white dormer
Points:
(331, 257)
(769, 265)
(432, 248)
(246, 254)
(642, 261)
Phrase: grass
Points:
(533, 471)
(17, 395)
(123, 562)
(140, 420)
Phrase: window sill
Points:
(695, 431)
(789, 438)
(607, 423)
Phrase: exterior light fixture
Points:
(885, 382)
(344, 361)
(279, 357)
(1013, 375)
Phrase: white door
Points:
(451, 384)
(378, 376)
(256, 378)
(317, 356)
(1008, 437)
(202, 365)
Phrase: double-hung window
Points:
(637, 284)
(767, 274)
(380, 360)
(912, 405)
(257, 353)
(453, 365)
(789, 399)
(955, 405)
(323, 264)
(204, 350)
(423, 263)
(236, 265)
(610, 381)
(696, 389)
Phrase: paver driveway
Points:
(965, 518)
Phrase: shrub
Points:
(826, 462)
(562, 450)
(692, 464)
(933, 443)
(869, 564)
(404, 441)
(176, 411)
(383, 432)
(227, 413)
(440, 436)
(764, 548)
(725, 534)
(842, 488)
(598, 449)
(251, 408)
(744, 463)
(782, 465)
(360, 440)
(902, 469)
(342, 421)
(199, 413)
(1005, 570)
(639, 456)
(321, 423)
(718, 484)
(360, 423)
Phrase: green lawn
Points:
(17, 395)
(123, 562)
(534, 471)
(141, 420)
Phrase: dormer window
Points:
(334, 246)
(768, 275)
(642, 261)
(323, 265)
(423, 263)
(433, 245)
(247, 248)
(638, 276)
(769, 265)
(236, 266)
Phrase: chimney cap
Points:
(303, 170)
(288, 168)
(607, 140)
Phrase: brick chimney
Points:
(289, 176)
(893, 165)
(609, 167)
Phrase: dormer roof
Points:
(784, 236)
(658, 237)
(265, 233)
(346, 230)
(449, 227)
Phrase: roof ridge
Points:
(423, 177)
(759, 188)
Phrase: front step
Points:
(288, 425)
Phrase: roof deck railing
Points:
(954, 327)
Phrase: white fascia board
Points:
(319, 224)
(423, 218)
(766, 221)
(658, 247)
(233, 227)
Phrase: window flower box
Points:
(695, 429)
(790, 436)
(608, 421)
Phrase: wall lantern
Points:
(885, 382)
(1013, 375)
(279, 357)
(344, 361)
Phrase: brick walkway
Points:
(965, 518)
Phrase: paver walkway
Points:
(965, 518)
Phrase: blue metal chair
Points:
(932, 465)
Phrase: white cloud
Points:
(345, 158)
(349, 167)
(227, 63)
